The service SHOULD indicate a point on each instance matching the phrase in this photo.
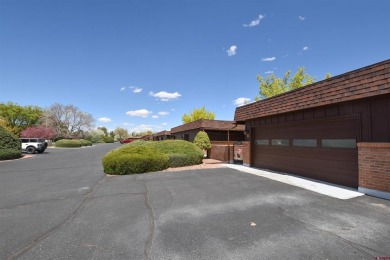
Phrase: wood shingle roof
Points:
(365, 82)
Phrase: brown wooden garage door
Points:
(323, 150)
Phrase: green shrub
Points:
(85, 142)
(9, 154)
(68, 143)
(108, 139)
(148, 156)
(181, 153)
(130, 159)
(202, 140)
(10, 146)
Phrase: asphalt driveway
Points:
(60, 205)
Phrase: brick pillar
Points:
(374, 169)
(231, 153)
(246, 153)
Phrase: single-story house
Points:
(163, 135)
(217, 130)
(222, 134)
(336, 130)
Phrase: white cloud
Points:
(104, 119)
(163, 113)
(232, 50)
(301, 18)
(143, 128)
(269, 72)
(127, 124)
(305, 48)
(268, 59)
(136, 89)
(155, 116)
(241, 101)
(255, 22)
(141, 113)
(132, 88)
(164, 124)
(165, 96)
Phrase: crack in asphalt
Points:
(61, 225)
(42, 201)
(149, 210)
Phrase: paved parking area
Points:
(219, 213)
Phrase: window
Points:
(339, 143)
(280, 142)
(305, 142)
(262, 142)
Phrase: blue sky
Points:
(141, 64)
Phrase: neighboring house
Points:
(217, 130)
(336, 130)
(163, 135)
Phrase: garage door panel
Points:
(316, 129)
(336, 165)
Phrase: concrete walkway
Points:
(332, 190)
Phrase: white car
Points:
(32, 145)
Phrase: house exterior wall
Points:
(246, 153)
(374, 169)
(362, 95)
(373, 117)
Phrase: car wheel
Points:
(30, 149)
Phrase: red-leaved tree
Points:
(38, 132)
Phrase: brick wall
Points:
(246, 153)
(220, 152)
(374, 167)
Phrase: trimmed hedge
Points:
(85, 142)
(131, 159)
(108, 139)
(72, 143)
(142, 156)
(68, 143)
(9, 154)
(10, 146)
(181, 153)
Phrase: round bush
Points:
(10, 146)
(68, 143)
(149, 156)
(85, 142)
(9, 154)
(181, 153)
(130, 159)
(108, 139)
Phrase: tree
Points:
(196, 114)
(39, 132)
(68, 121)
(96, 136)
(121, 133)
(272, 86)
(202, 140)
(15, 118)
(104, 129)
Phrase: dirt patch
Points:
(207, 164)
